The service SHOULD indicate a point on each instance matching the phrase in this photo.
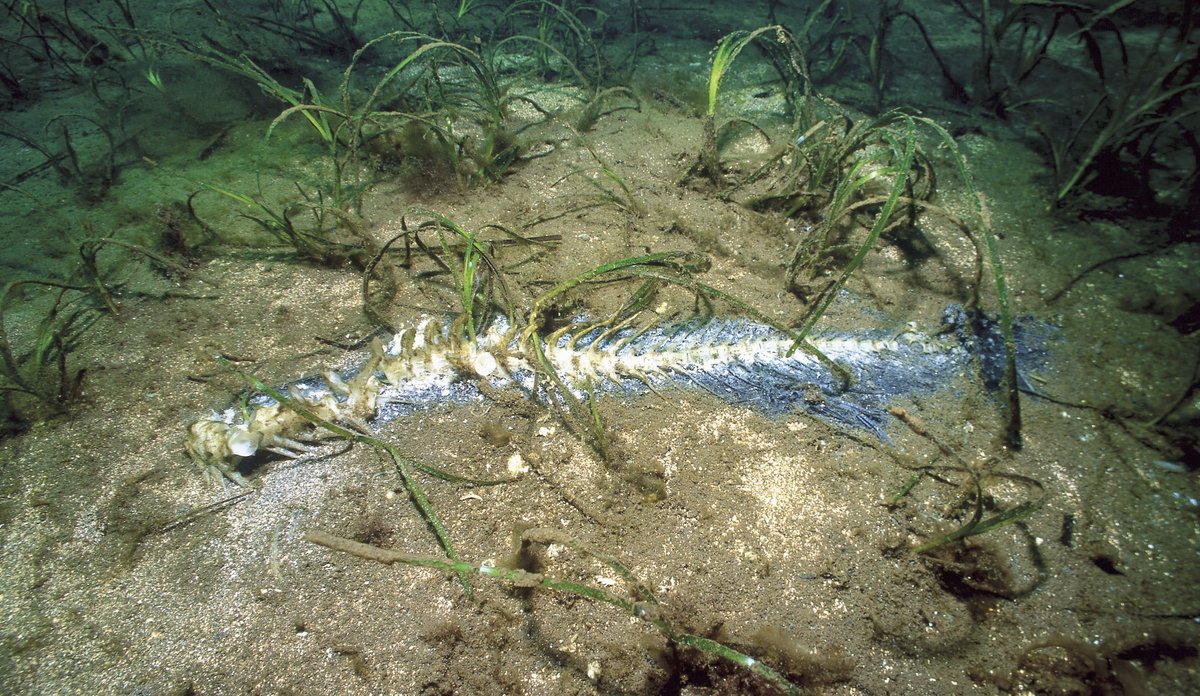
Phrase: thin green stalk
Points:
(721, 59)
(8, 297)
(644, 609)
(631, 204)
(1012, 394)
(588, 422)
(978, 524)
(1124, 121)
(684, 261)
(469, 279)
(881, 222)
(56, 335)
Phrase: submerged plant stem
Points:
(522, 578)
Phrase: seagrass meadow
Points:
(611, 347)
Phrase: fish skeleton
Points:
(845, 380)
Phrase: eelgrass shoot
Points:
(40, 370)
(721, 59)
(645, 606)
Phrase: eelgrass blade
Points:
(978, 525)
(10, 364)
(586, 419)
(1012, 394)
(881, 222)
(740, 659)
(468, 279)
(525, 579)
(724, 54)
(681, 261)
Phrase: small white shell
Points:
(243, 443)
(484, 363)
(516, 465)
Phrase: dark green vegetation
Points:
(448, 99)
